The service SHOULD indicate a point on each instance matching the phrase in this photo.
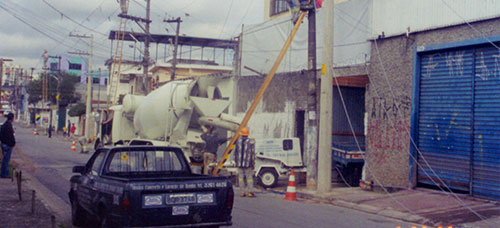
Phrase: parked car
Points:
(147, 186)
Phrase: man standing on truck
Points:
(244, 157)
(212, 143)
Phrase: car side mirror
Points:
(79, 169)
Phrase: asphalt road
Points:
(54, 161)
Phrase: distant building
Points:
(186, 68)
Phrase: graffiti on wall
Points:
(389, 126)
(389, 109)
(486, 71)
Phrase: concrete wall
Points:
(275, 115)
(389, 115)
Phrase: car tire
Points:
(268, 178)
(105, 222)
(78, 215)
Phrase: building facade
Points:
(431, 101)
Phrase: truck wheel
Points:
(78, 215)
(268, 178)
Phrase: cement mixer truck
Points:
(173, 115)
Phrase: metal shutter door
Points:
(486, 155)
(445, 118)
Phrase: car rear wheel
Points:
(268, 178)
(78, 215)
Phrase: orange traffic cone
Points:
(291, 193)
(35, 132)
(73, 145)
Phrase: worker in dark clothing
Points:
(212, 143)
(8, 143)
(244, 157)
(50, 131)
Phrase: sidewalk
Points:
(16, 213)
(420, 206)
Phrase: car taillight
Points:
(125, 201)
(230, 198)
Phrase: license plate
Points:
(180, 210)
(183, 198)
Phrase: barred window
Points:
(278, 6)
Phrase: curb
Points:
(389, 213)
(56, 205)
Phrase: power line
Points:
(227, 16)
(41, 27)
(71, 19)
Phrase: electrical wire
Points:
(376, 180)
(419, 153)
(227, 17)
(71, 19)
(470, 25)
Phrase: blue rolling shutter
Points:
(445, 118)
(486, 153)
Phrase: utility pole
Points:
(88, 108)
(1, 73)
(325, 118)
(176, 43)
(312, 140)
(145, 62)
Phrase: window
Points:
(53, 66)
(95, 80)
(97, 163)
(278, 6)
(287, 144)
(75, 66)
(144, 162)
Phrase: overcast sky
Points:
(28, 27)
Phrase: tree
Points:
(77, 110)
(67, 88)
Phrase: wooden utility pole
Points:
(176, 43)
(260, 94)
(88, 108)
(312, 133)
(1, 73)
(326, 96)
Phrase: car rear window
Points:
(144, 162)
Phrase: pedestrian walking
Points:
(244, 157)
(8, 142)
(65, 131)
(212, 143)
(72, 130)
(50, 131)
(68, 128)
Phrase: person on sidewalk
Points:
(72, 130)
(65, 131)
(68, 128)
(50, 131)
(212, 143)
(244, 157)
(8, 142)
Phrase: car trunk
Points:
(183, 199)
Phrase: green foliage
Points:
(67, 89)
(77, 110)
